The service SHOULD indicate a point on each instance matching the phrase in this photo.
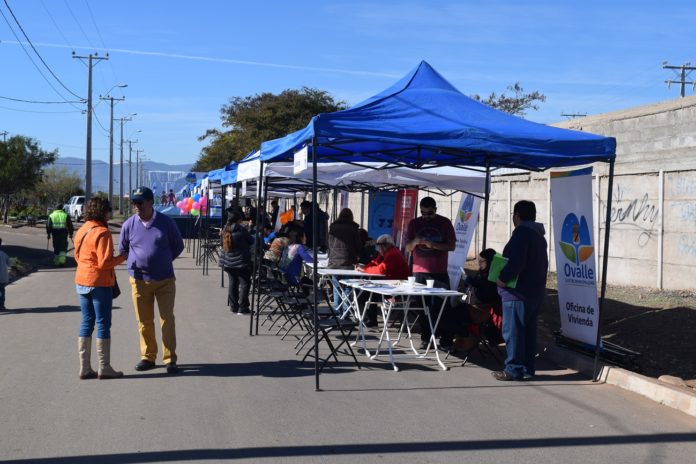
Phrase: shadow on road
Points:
(364, 449)
(46, 310)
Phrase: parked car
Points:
(75, 208)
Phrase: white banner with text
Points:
(464, 228)
(571, 202)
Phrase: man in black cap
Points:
(152, 242)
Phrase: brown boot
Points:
(84, 348)
(104, 353)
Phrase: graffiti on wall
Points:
(634, 212)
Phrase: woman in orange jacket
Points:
(94, 279)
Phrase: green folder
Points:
(499, 262)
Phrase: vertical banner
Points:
(381, 213)
(571, 201)
(403, 213)
(464, 227)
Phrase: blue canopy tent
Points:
(423, 120)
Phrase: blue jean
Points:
(519, 333)
(338, 307)
(96, 307)
(2, 295)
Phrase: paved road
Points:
(242, 398)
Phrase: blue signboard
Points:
(381, 213)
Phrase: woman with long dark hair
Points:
(94, 279)
(294, 255)
(235, 259)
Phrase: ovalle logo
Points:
(467, 209)
(576, 241)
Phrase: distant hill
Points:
(100, 173)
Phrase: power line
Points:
(40, 102)
(37, 52)
(89, 9)
(60, 31)
(30, 58)
(78, 23)
(35, 111)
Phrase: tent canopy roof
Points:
(422, 119)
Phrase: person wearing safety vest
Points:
(60, 227)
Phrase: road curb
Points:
(668, 395)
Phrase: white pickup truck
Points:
(75, 208)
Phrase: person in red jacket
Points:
(390, 263)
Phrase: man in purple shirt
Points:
(152, 242)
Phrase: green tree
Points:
(254, 119)
(57, 186)
(517, 104)
(21, 167)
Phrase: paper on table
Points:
(499, 262)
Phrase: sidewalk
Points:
(242, 397)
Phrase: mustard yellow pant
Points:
(144, 294)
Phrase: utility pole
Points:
(130, 173)
(88, 158)
(111, 143)
(684, 71)
(123, 120)
(4, 136)
(138, 166)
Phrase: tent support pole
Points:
(362, 210)
(255, 294)
(605, 262)
(486, 201)
(222, 226)
(315, 267)
(261, 221)
(335, 204)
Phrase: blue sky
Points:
(183, 60)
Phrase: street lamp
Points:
(111, 136)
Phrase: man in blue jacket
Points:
(152, 242)
(528, 261)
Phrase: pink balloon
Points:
(181, 211)
(203, 201)
(196, 205)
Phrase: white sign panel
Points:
(571, 201)
(300, 161)
(242, 192)
(464, 227)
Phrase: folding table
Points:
(400, 297)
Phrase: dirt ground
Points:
(660, 325)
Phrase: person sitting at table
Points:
(268, 233)
(482, 304)
(294, 255)
(280, 243)
(367, 252)
(344, 241)
(344, 247)
(390, 263)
